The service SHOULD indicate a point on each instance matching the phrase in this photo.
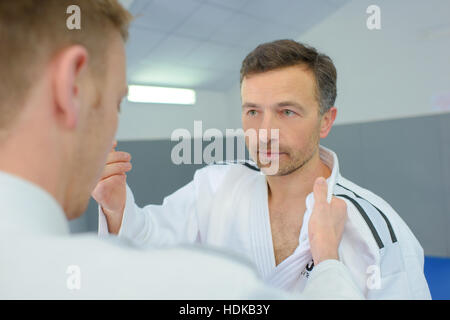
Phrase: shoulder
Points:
(150, 273)
(379, 215)
(214, 174)
(400, 256)
(376, 214)
(396, 246)
(157, 273)
(246, 166)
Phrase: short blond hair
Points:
(33, 31)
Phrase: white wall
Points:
(394, 72)
(390, 73)
(157, 121)
(398, 71)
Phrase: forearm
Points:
(173, 222)
(128, 223)
(113, 220)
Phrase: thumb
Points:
(114, 145)
(320, 190)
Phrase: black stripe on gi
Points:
(244, 163)
(391, 230)
(366, 218)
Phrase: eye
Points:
(251, 113)
(288, 112)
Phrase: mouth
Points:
(270, 154)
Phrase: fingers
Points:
(339, 204)
(320, 190)
(118, 156)
(105, 192)
(339, 207)
(121, 176)
(116, 168)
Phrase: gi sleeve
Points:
(378, 264)
(173, 222)
(331, 280)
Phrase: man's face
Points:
(97, 128)
(282, 99)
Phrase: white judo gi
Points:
(226, 206)
(39, 259)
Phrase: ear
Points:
(327, 122)
(67, 73)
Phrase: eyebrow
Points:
(249, 105)
(292, 104)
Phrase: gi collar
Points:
(27, 208)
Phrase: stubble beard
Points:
(296, 159)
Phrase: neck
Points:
(27, 153)
(298, 184)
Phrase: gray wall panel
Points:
(406, 162)
(346, 141)
(445, 143)
(402, 164)
(154, 176)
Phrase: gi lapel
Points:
(287, 273)
(261, 234)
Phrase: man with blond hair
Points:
(58, 118)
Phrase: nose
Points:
(268, 130)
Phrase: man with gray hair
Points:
(288, 89)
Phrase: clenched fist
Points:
(110, 192)
(326, 224)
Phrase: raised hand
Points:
(110, 192)
(326, 224)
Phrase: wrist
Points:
(113, 220)
(112, 213)
(332, 255)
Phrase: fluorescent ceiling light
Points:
(150, 94)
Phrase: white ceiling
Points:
(201, 43)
